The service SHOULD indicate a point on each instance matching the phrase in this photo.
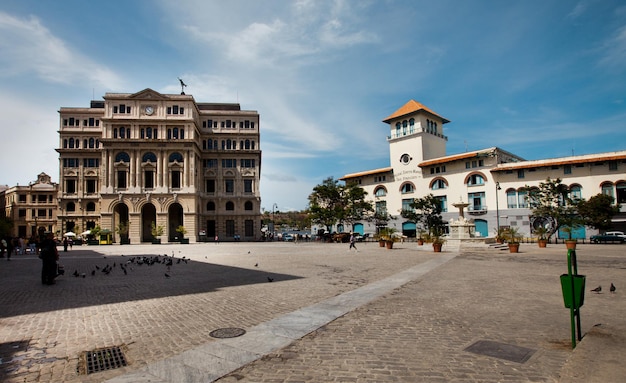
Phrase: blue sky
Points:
(538, 78)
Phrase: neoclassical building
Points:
(491, 180)
(149, 158)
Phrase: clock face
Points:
(149, 110)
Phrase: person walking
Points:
(49, 256)
(352, 242)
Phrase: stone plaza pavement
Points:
(328, 314)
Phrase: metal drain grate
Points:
(104, 359)
(228, 332)
(504, 351)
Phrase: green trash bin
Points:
(579, 290)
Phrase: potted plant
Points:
(420, 236)
(569, 242)
(122, 230)
(542, 236)
(513, 238)
(500, 235)
(388, 237)
(438, 240)
(156, 232)
(182, 231)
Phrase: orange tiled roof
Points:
(411, 107)
(366, 173)
(456, 157)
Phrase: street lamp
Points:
(274, 207)
(497, 207)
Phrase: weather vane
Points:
(182, 86)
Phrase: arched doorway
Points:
(358, 228)
(148, 217)
(120, 215)
(175, 219)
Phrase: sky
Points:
(538, 78)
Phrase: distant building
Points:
(32, 208)
(491, 180)
(160, 159)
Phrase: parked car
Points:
(609, 236)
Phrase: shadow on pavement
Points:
(102, 280)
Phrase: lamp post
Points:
(497, 208)
(274, 207)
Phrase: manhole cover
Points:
(104, 359)
(229, 332)
(501, 350)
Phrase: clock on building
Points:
(149, 110)
(405, 159)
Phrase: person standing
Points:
(49, 256)
(352, 242)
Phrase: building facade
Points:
(492, 181)
(32, 208)
(149, 159)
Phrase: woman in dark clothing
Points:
(49, 256)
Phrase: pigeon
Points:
(167, 275)
(270, 279)
(93, 272)
(83, 275)
(256, 265)
(612, 289)
(248, 252)
(76, 273)
(597, 289)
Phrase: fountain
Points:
(462, 230)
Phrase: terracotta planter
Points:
(437, 247)
(389, 244)
(570, 244)
(542, 242)
(514, 247)
(420, 242)
(381, 243)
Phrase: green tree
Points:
(426, 212)
(552, 200)
(331, 203)
(598, 211)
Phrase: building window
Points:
(612, 165)
(247, 186)
(148, 179)
(248, 205)
(229, 163)
(439, 184)
(248, 228)
(407, 188)
(567, 169)
(229, 186)
(90, 186)
(511, 199)
(230, 228)
(406, 204)
(122, 157)
(176, 179)
(477, 201)
(520, 173)
(607, 188)
(91, 206)
(576, 192)
(620, 188)
(381, 208)
(210, 206)
(210, 186)
(380, 192)
(522, 199)
(121, 179)
(22, 198)
(443, 200)
(70, 186)
(210, 163)
(247, 163)
(230, 206)
(70, 207)
(475, 180)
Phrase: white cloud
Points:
(28, 46)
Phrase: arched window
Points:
(620, 188)
(71, 143)
(65, 143)
(475, 179)
(176, 157)
(248, 205)
(380, 192)
(122, 132)
(397, 129)
(407, 188)
(607, 188)
(404, 126)
(70, 206)
(91, 206)
(411, 125)
(149, 157)
(210, 206)
(122, 157)
(439, 184)
(230, 205)
(511, 199)
(575, 192)
(92, 143)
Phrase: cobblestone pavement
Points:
(419, 332)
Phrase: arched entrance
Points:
(148, 217)
(358, 228)
(120, 215)
(175, 219)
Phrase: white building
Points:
(490, 180)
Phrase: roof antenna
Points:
(182, 86)
(465, 142)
